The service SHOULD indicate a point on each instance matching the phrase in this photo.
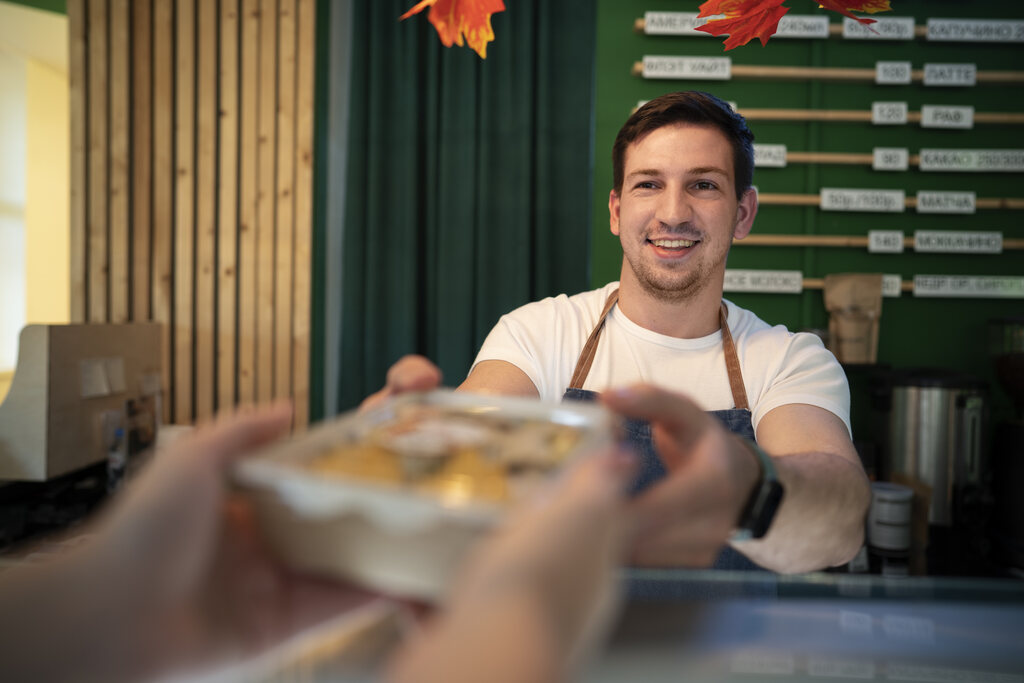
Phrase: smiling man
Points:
(743, 428)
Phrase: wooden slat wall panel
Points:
(192, 163)
(284, 285)
(162, 281)
(184, 210)
(265, 196)
(248, 161)
(142, 162)
(206, 208)
(98, 289)
(304, 101)
(78, 79)
(227, 219)
(120, 87)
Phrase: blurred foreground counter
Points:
(741, 626)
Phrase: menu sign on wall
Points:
(971, 286)
(976, 30)
(950, 74)
(931, 201)
(888, 201)
(1001, 160)
(892, 286)
(884, 28)
(769, 156)
(885, 241)
(700, 68)
(770, 281)
(938, 116)
(893, 73)
(888, 113)
(890, 159)
(955, 242)
(684, 23)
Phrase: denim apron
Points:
(638, 432)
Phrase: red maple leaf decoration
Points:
(454, 19)
(745, 20)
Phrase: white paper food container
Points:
(387, 536)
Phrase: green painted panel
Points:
(950, 333)
(58, 6)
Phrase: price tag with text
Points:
(885, 241)
(884, 28)
(999, 160)
(892, 286)
(940, 116)
(890, 159)
(892, 73)
(956, 242)
(976, 30)
(888, 113)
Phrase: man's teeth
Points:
(672, 244)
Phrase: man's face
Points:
(678, 213)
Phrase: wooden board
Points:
(120, 88)
(206, 209)
(227, 220)
(303, 209)
(163, 185)
(97, 289)
(248, 161)
(285, 247)
(184, 209)
(142, 157)
(78, 80)
(265, 201)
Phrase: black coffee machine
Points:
(1007, 349)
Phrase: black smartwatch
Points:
(760, 509)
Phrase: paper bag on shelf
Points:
(854, 303)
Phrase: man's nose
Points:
(674, 209)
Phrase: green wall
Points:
(58, 6)
(949, 333)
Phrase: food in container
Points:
(392, 498)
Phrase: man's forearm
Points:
(821, 520)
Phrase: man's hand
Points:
(409, 373)
(686, 519)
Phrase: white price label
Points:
(884, 28)
(885, 241)
(976, 30)
(886, 201)
(956, 242)
(802, 26)
(890, 159)
(1000, 160)
(674, 24)
(950, 74)
(892, 73)
(892, 286)
(699, 68)
(769, 156)
(774, 281)
(936, 116)
(971, 286)
(888, 113)
(932, 201)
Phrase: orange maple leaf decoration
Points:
(745, 20)
(454, 19)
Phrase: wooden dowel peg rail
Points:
(858, 116)
(842, 74)
(857, 241)
(819, 283)
(782, 199)
(920, 30)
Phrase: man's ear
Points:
(613, 212)
(745, 214)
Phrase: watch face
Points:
(768, 500)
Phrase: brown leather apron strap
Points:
(586, 359)
(732, 362)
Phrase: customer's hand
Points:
(687, 518)
(538, 593)
(409, 373)
(172, 576)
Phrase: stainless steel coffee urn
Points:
(935, 439)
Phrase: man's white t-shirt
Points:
(544, 339)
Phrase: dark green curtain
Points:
(468, 182)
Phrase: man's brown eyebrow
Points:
(645, 172)
(708, 169)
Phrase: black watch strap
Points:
(764, 500)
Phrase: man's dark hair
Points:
(692, 107)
